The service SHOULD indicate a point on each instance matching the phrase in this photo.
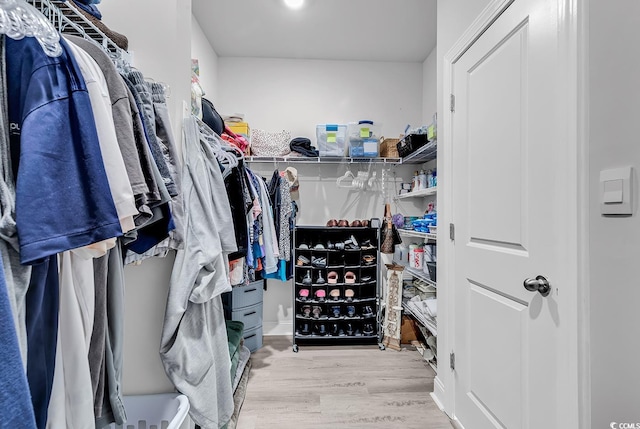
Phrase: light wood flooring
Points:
(339, 387)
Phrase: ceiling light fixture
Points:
(294, 4)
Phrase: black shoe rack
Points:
(337, 285)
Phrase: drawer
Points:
(253, 338)
(244, 296)
(250, 316)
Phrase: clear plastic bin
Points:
(364, 139)
(331, 139)
(158, 411)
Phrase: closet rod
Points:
(67, 19)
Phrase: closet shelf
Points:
(424, 154)
(432, 329)
(321, 160)
(420, 275)
(424, 235)
(416, 194)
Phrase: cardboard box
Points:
(239, 128)
(409, 330)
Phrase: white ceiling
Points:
(361, 30)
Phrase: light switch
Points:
(615, 191)
(612, 192)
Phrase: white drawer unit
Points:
(244, 304)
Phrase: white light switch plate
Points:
(615, 191)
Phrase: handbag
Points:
(388, 232)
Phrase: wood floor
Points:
(339, 387)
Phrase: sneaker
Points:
(351, 311)
(302, 261)
(335, 310)
(367, 329)
(367, 311)
(319, 262)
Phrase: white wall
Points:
(614, 87)
(429, 87)
(207, 59)
(161, 50)
(297, 95)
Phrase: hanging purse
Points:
(389, 235)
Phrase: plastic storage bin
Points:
(363, 139)
(159, 411)
(331, 139)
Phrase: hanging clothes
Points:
(193, 347)
(71, 404)
(15, 404)
(121, 114)
(17, 275)
(63, 200)
(117, 177)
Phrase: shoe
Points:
(303, 246)
(306, 280)
(320, 295)
(334, 294)
(335, 310)
(366, 245)
(356, 224)
(305, 329)
(303, 294)
(320, 280)
(302, 261)
(306, 311)
(335, 330)
(368, 259)
(349, 295)
(319, 246)
(343, 222)
(351, 311)
(317, 311)
(320, 329)
(367, 329)
(365, 279)
(320, 262)
(332, 278)
(365, 223)
(331, 223)
(349, 329)
(349, 277)
(367, 311)
(350, 244)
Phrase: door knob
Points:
(539, 284)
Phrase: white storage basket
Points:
(159, 411)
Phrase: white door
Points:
(505, 208)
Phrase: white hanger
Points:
(19, 19)
(348, 175)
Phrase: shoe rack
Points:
(337, 285)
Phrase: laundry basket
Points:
(159, 411)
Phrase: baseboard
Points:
(275, 328)
(456, 424)
(438, 392)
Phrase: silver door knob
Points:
(539, 284)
